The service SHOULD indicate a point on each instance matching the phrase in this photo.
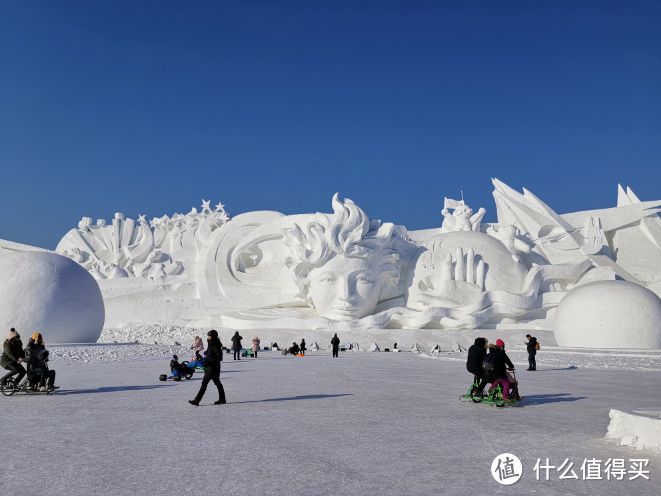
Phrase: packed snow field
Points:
(365, 423)
(552, 356)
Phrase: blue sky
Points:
(146, 107)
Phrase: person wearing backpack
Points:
(532, 345)
(474, 363)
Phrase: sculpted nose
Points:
(344, 291)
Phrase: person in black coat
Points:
(501, 362)
(335, 343)
(474, 364)
(302, 347)
(531, 346)
(236, 345)
(12, 354)
(36, 356)
(212, 369)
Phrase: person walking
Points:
(12, 354)
(255, 345)
(211, 369)
(236, 345)
(303, 348)
(532, 346)
(335, 343)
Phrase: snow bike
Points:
(177, 371)
(194, 364)
(494, 396)
(9, 387)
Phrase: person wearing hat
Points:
(12, 354)
(501, 363)
(36, 356)
(211, 369)
(474, 363)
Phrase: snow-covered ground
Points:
(366, 423)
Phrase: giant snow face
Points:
(49, 293)
(345, 288)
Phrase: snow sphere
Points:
(49, 293)
(609, 314)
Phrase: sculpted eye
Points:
(365, 279)
(327, 280)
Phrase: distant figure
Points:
(255, 345)
(211, 369)
(335, 343)
(198, 347)
(36, 356)
(236, 345)
(394, 346)
(294, 349)
(532, 346)
(12, 354)
(476, 355)
(303, 348)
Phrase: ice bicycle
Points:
(8, 387)
(494, 396)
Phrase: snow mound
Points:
(436, 350)
(375, 347)
(416, 348)
(49, 293)
(609, 314)
(457, 348)
(314, 346)
(355, 347)
(637, 431)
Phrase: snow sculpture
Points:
(458, 216)
(46, 292)
(149, 250)
(344, 271)
(633, 226)
(609, 314)
(511, 238)
(342, 264)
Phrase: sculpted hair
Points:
(349, 233)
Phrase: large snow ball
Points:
(49, 293)
(609, 314)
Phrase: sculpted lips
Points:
(350, 311)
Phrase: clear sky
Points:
(148, 106)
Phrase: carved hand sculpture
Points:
(445, 282)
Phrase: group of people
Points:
(213, 355)
(489, 363)
(34, 355)
(296, 349)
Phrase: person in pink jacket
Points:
(198, 347)
(255, 345)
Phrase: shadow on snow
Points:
(542, 399)
(110, 389)
(292, 398)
